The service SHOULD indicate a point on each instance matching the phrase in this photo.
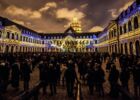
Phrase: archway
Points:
(6, 49)
(129, 26)
(116, 51)
(12, 49)
(137, 48)
(126, 49)
(136, 25)
(121, 48)
(131, 48)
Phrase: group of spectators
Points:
(66, 69)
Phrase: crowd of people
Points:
(66, 69)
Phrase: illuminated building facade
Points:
(70, 41)
(16, 38)
(122, 35)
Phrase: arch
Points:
(112, 33)
(136, 25)
(126, 49)
(124, 28)
(115, 33)
(12, 49)
(116, 48)
(112, 48)
(137, 48)
(120, 30)
(129, 26)
(6, 49)
(16, 48)
(121, 48)
(8, 35)
(131, 48)
(17, 37)
(13, 36)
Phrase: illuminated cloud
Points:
(17, 11)
(65, 13)
(125, 6)
(48, 6)
(55, 15)
(19, 22)
(96, 29)
(84, 5)
(113, 12)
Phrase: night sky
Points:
(51, 16)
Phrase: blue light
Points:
(94, 37)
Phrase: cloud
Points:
(96, 29)
(48, 6)
(84, 5)
(126, 6)
(65, 13)
(114, 13)
(19, 22)
(16, 11)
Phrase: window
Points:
(124, 28)
(20, 38)
(8, 35)
(114, 32)
(13, 36)
(17, 36)
(120, 30)
(95, 41)
(129, 26)
(136, 25)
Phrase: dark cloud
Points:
(97, 12)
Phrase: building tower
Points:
(76, 25)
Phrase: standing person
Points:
(15, 74)
(58, 72)
(124, 77)
(113, 80)
(52, 79)
(70, 76)
(100, 80)
(91, 79)
(63, 69)
(108, 66)
(43, 72)
(4, 74)
(136, 78)
(26, 70)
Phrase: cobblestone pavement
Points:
(11, 92)
(61, 91)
